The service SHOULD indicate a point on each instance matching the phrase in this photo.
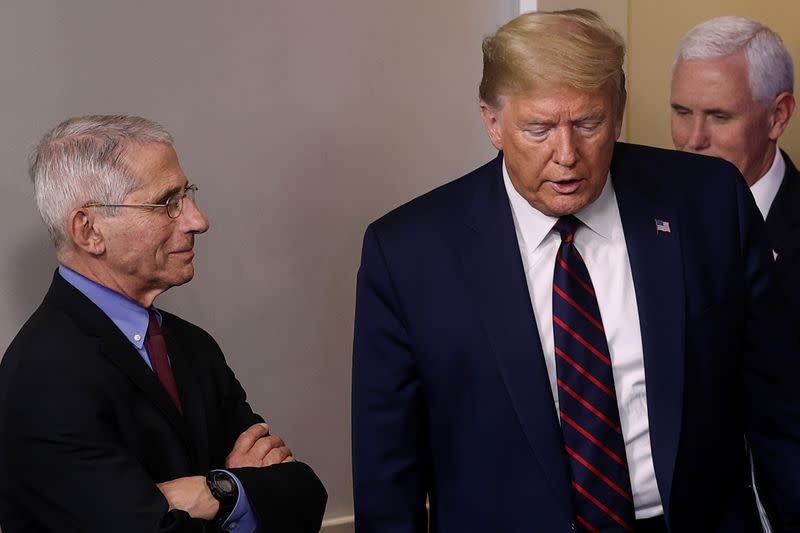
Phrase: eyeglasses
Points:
(174, 203)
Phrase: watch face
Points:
(225, 485)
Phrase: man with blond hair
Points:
(732, 96)
(578, 335)
(115, 415)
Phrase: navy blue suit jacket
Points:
(451, 399)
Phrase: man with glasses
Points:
(115, 415)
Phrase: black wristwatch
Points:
(223, 487)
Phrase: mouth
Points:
(567, 186)
(188, 253)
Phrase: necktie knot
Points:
(566, 226)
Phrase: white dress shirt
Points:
(601, 243)
(766, 188)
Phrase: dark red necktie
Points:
(593, 441)
(157, 350)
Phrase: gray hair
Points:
(769, 64)
(82, 161)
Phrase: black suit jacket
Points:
(783, 228)
(451, 396)
(86, 429)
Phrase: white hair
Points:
(769, 64)
(82, 161)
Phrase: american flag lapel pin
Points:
(662, 226)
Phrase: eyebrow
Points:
(167, 194)
(717, 110)
(590, 116)
(709, 111)
(596, 114)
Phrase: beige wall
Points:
(654, 30)
(300, 121)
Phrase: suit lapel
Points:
(117, 349)
(783, 219)
(496, 280)
(183, 368)
(657, 268)
(124, 356)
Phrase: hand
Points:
(190, 494)
(256, 447)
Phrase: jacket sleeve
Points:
(388, 425)
(286, 498)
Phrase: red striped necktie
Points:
(157, 351)
(593, 441)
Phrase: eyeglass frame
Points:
(188, 191)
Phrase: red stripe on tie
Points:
(583, 341)
(596, 442)
(587, 525)
(584, 462)
(580, 309)
(586, 374)
(602, 507)
(589, 406)
(577, 278)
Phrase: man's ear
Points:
(84, 232)
(491, 120)
(781, 111)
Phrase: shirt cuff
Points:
(242, 519)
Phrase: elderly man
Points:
(115, 415)
(732, 97)
(578, 335)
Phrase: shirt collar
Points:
(131, 318)
(599, 216)
(766, 188)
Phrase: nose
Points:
(193, 220)
(699, 138)
(564, 151)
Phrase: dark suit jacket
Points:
(783, 229)
(450, 392)
(86, 430)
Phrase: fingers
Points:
(251, 450)
(249, 437)
(270, 450)
(277, 455)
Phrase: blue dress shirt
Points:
(132, 319)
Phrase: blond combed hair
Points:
(574, 47)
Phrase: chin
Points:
(184, 277)
(568, 205)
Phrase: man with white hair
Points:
(115, 415)
(732, 97)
